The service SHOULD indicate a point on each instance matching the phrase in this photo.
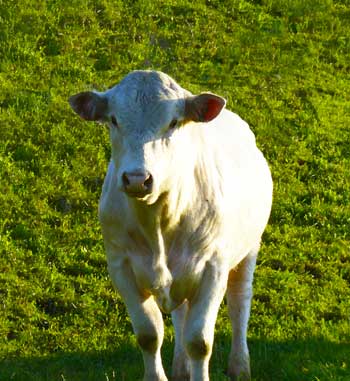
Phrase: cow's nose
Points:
(138, 183)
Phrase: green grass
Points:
(283, 66)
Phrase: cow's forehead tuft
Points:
(150, 85)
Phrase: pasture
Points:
(283, 66)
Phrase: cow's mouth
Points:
(138, 195)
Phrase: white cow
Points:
(184, 203)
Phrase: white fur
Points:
(202, 224)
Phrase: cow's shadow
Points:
(295, 360)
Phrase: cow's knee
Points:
(148, 342)
(198, 347)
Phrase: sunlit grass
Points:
(283, 66)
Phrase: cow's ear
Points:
(203, 107)
(89, 105)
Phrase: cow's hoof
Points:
(184, 377)
(240, 371)
(239, 375)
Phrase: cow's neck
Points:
(154, 223)
(158, 219)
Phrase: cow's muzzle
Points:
(137, 184)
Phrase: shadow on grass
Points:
(124, 363)
(311, 360)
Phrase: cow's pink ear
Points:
(89, 105)
(203, 107)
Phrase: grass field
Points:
(283, 65)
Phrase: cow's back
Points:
(237, 179)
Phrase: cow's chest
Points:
(166, 248)
(170, 269)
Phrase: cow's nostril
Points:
(148, 182)
(137, 183)
(125, 179)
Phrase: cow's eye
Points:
(114, 121)
(173, 124)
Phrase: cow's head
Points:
(148, 115)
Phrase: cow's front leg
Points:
(200, 320)
(145, 316)
(180, 366)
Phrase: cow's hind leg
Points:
(200, 320)
(146, 319)
(239, 295)
(180, 366)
